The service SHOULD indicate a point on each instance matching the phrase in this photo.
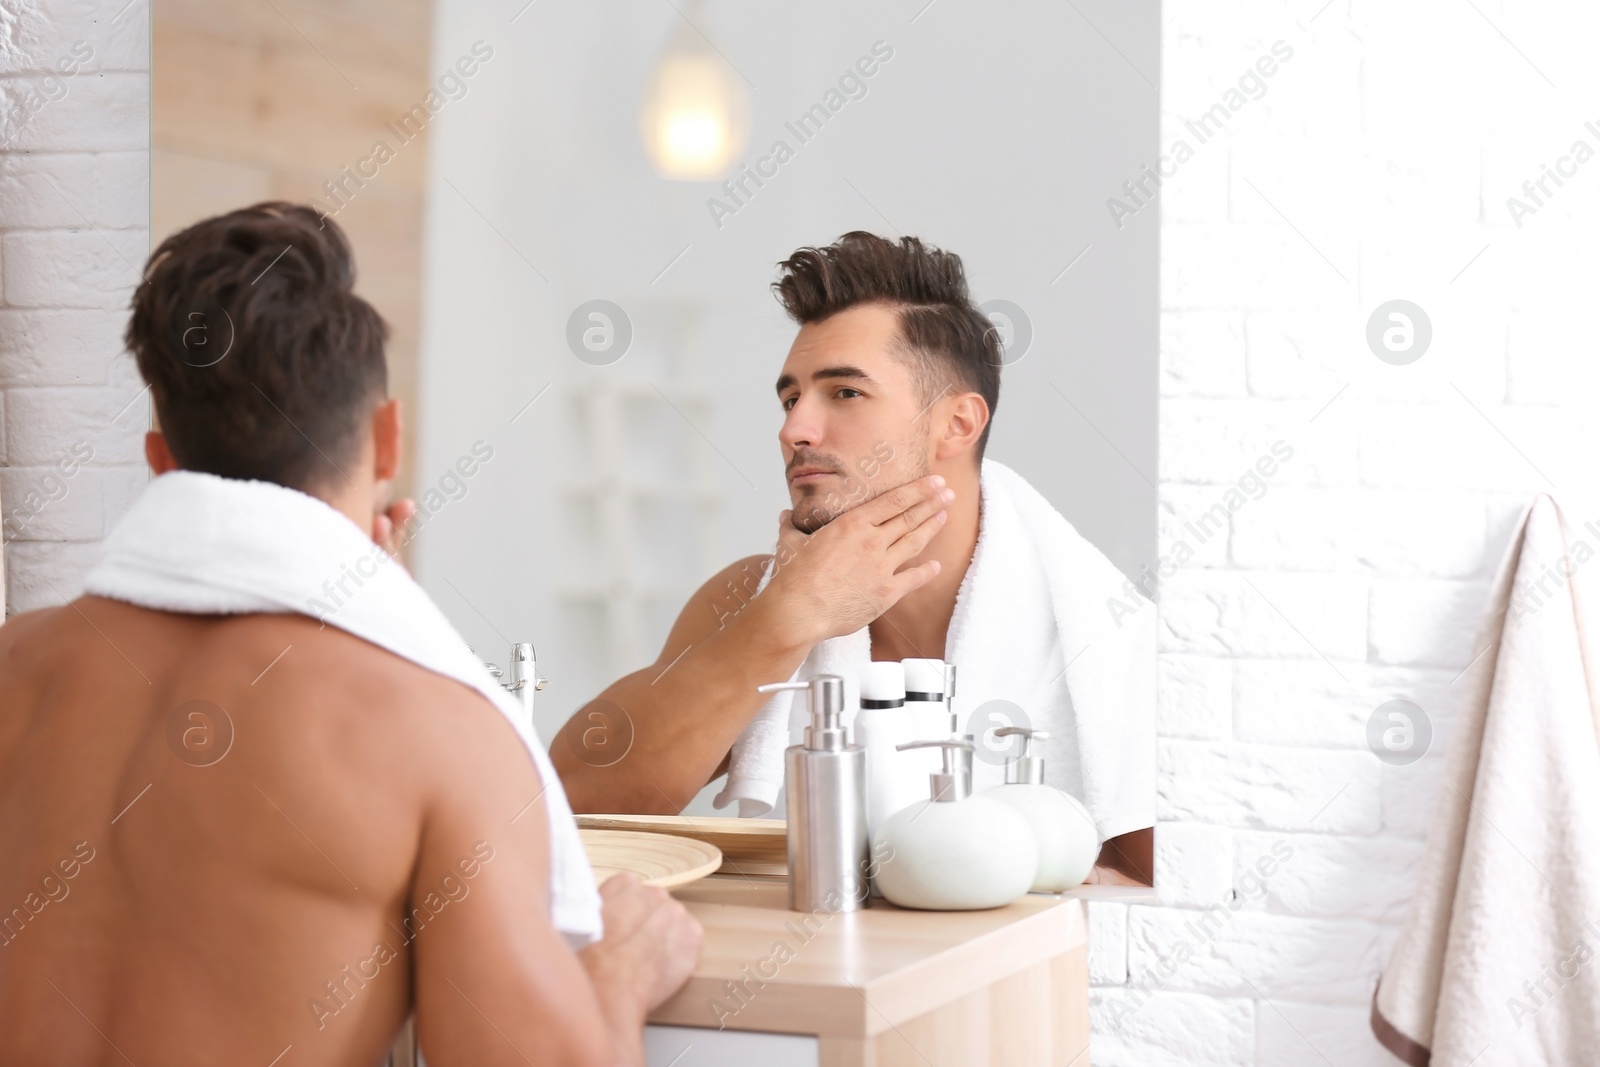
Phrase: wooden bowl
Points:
(658, 859)
(750, 847)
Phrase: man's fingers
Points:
(790, 538)
(914, 578)
(626, 904)
(915, 540)
(387, 524)
(924, 509)
(401, 511)
(880, 509)
(618, 883)
(678, 929)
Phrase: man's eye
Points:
(789, 402)
(846, 393)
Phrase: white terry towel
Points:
(199, 544)
(1495, 963)
(1031, 626)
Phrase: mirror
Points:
(571, 217)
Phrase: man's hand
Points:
(837, 580)
(651, 945)
(387, 524)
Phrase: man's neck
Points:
(919, 623)
(350, 500)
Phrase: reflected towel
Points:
(199, 544)
(1495, 961)
(1031, 627)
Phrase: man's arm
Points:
(653, 739)
(495, 983)
(641, 746)
(1127, 859)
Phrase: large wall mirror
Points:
(571, 214)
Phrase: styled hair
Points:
(262, 362)
(952, 344)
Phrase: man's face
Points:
(855, 423)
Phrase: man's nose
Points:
(801, 427)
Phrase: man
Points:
(364, 845)
(887, 393)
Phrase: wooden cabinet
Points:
(882, 987)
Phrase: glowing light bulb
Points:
(696, 113)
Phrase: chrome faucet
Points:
(525, 679)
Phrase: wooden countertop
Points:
(855, 974)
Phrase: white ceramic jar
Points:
(955, 852)
(1062, 827)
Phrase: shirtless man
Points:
(887, 394)
(154, 910)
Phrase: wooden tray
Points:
(663, 860)
(748, 846)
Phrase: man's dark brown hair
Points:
(262, 361)
(952, 344)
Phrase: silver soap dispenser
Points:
(826, 782)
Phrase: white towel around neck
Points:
(199, 544)
(1032, 625)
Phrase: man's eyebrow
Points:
(843, 371)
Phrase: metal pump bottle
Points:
(826, 782)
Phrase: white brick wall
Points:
(74, 231)
(1383, 151)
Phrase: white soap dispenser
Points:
(1062, 827)
(955, 851)
(881, 726)
(929, 713)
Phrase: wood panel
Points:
(252, 100)
(865, 976)
(1038, 1017)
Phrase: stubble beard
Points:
(817, 507)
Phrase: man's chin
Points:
(809, 516)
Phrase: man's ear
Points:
(387, 431)
(966, 414)
(157, 454)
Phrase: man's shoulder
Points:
(331, 672)
(749, 568)
(341, 707)
(718, 599)
(19, 631)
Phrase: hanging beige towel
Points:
(1496, 961)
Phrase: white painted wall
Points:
(74, 232)
(1376, 166)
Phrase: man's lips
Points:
(806, 474)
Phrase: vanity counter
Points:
(879, 987)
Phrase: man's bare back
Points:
(235, 839)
